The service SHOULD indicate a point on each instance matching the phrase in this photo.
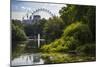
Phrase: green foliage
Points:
(86, 14)
(89, 49)
(29, 30)
(71, 43)
(91, 19)
(18, 24)
(69, 30)
(74, 35)
(79, 31)
(53, 29)
(17, 33)
(33, 29)
(53, 58)
(68, 14)
(72, 13)
(64, 58)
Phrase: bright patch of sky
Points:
(20, 9)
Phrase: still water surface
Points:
(26, 59)
(26, 53)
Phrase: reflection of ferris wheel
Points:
(34, 12)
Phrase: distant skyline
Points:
(20, 9)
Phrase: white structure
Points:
(39, 39)
(33, 18)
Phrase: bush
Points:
(89, 49)
(79, 31)
(71, 43)
(74, 35)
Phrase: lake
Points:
(28, 53)
(27, 59)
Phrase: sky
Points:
(19, 9)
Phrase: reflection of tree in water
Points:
(33, 58)
(19, 49)
(31, 47)
(32, 44)
(36, 58)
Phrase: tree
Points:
(17, 23)
(86, 14)
(75, 35)
(79, 31)
(53, 28)
(33, 29)
(18, 33)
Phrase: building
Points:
(31, 20)
(36, 18)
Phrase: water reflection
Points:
(26, 54)
(27, 60)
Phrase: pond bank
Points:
(51, 58)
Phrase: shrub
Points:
(74, 35)
(71, 43)
(79, 31)
(88, 49)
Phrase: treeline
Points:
(75, 33)
(17, 31)
(74, 30)
(50, 29)
(35, 28)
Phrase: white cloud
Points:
(17, 15)
(26, 8)
(23, 7)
